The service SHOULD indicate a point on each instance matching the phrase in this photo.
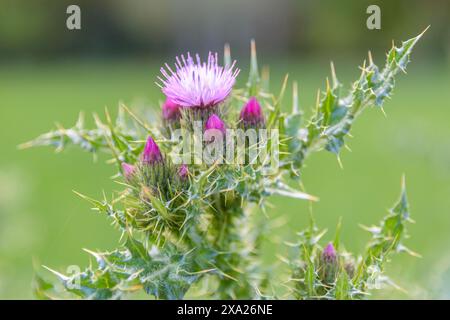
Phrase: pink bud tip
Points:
(151, 153)
(329, 253)
(214, 122)
(171, 111)
(183, 171)
(128, 170)
(251, 113)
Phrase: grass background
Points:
(43, 222)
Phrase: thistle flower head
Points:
(128, 170)
(214, 122)
(329, 253)
(151, 154)
(183, 171)
(171, 111)
(251, 113)
(196, 83)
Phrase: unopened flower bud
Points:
(251, 113)
(329, 253)
(128, 170)
(151, 154)
(171, 111)
(214, 122)
(328, 264)
(183, 171)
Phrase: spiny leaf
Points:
(253, 78)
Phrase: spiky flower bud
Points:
(251, 114)
(171, 111)
(183, 171)
(329, 254)
(214, 122)
(128, 170)
(151, 154)
(328, 264)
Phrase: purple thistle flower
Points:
(128, 170)
(329, 253)
(251, 113)
(214, 122)
(151, 154)
(198, 84)
(183, 171)
(171, 111)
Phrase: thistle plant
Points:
(193, 225)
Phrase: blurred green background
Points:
(48, 74)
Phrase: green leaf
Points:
(335, 114)
(337, 237)
(328, 105)
(254, 80)
(342, 286)
(163, 273)
(386, 239)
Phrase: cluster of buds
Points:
(154, 183)
(251, 115)
(330, 262)
(198, 89)
(195, 91)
